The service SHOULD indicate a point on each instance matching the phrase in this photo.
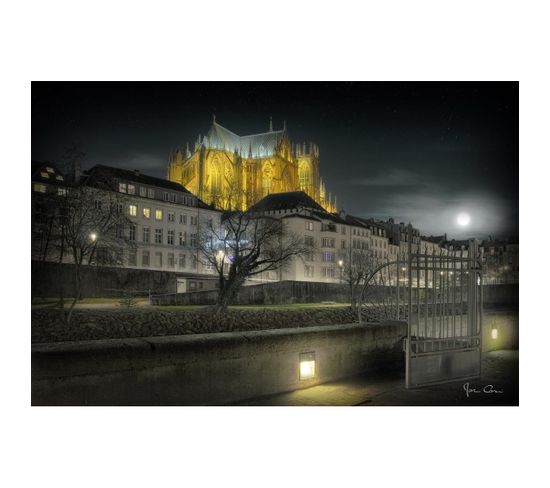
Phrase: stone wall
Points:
(208, 369)
(98, 281)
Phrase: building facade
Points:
(234, 172)
(162, 222)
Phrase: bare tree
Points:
(92, 228)
(362, 274)
(246, 245)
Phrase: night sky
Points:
(423, 152)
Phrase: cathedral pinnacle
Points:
(213, 118)
(270, 124)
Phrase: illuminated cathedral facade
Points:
(233, 172)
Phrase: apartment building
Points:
(164, 220)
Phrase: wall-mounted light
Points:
(494, 333)
(307, 365)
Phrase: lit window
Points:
(44, 175)
(62, 191)
(327, 257)
(133, 210)
(49, 169)
(146, 212)
(158, 214)
(59, 178)
(122, 188)
(307, 365)
(309, 225)
(131, 190)
(40, 188)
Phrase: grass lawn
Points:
(292, 306)
(115, 303)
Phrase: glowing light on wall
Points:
(307, 365)
(494, 333)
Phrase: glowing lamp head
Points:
(307, 365)
(93, 236)
(340, 263)
(494, 333)
(463, 219)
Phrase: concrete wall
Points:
(100, 281)
(207, 369)
(285, 292)
(507, 325)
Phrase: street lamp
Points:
(341, 264)
(93, 236)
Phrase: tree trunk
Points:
(227, 294)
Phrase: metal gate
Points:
(445, 307)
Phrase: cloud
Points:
(393, 177)
(435, 213)
(142, 161)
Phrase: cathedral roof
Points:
(259, 145)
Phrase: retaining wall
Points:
(208, 369)
(287, 292)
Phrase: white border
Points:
(470, 40)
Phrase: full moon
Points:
(463, 219)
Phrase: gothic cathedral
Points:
(233, 172)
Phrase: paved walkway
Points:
(499, 369)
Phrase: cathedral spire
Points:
(284, 125)
(213, 118)
(270, 124)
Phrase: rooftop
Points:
(106, 174)
(286, 201)
(255, 145)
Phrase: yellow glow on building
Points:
(234, 172)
